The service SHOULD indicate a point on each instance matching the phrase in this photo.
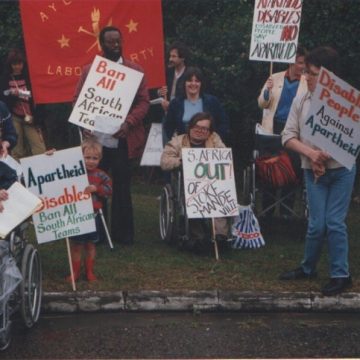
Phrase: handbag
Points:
(276, 171)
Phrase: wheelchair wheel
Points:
(31, 286)
(248, 186)
(167, 214)
(5, 337)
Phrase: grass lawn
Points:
(153, 265)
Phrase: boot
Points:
(76, 264)
(89, 264)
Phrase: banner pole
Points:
(70, 263)
(271, 68)
(214, 240)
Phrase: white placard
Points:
(333, 121)
(108, 91)
(275, 31)
(20, 204)
(59, 180)
(209, 182)
(154, 147)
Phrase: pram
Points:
(20, 282)
(269, 144)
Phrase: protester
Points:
(8, 136)
(200, 133)
(130, 141)
(178, 57)
(275, 99)
(192, 101)
(15, 91)
(100, 188)
(328, 186)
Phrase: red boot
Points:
(76, 265)
(89, 264)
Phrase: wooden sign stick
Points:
(70, 263)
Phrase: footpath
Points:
(196, 301)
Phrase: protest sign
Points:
(59, 180)
(20, 204)
(154, 147)
(209, 183)
(108, 91)
(275, 31)
(333, 121)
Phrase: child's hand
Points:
(90, 189)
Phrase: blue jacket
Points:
(211, 104)
(7, 129)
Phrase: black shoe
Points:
(296, 274)
(336, 286)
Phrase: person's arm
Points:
(9, 135)
(104, 188)
(291, 134)
(265, 97)
(171, 155)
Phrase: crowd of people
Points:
(191, 117)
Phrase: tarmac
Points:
(198, 301)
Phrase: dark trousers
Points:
(117, 163)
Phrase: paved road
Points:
(185, 335)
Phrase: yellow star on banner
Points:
(132, 26)
(63, 41)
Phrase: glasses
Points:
(201, 129)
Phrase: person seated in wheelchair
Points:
(275, 99)
(199, 134)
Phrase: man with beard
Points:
(130, 141)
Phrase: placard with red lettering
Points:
(108, 92)
(333, 122)
(275, 31)
(60, 180)
(209, 182)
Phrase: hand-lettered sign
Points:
(59, 180)
(108, 91)
(275, 30)
(154, 147)
(333, 121)
(209, 182)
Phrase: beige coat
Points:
(171, 156)
(269, 107)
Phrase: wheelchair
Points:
(23, 293)
(269, 144)
(173, 221)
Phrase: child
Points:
(100, 187)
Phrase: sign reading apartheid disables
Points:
(275, 30)
(154, 147)
(59, 180)
(333, 121)
(108, 92)
(209, 182)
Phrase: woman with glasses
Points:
(200, 134)
(328, 184)
(194, 100)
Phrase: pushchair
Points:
(20, 282)
(270, 145)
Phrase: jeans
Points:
(328, 200)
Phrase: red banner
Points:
(62, 36)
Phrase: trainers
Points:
(296, 274)
(337, 286)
